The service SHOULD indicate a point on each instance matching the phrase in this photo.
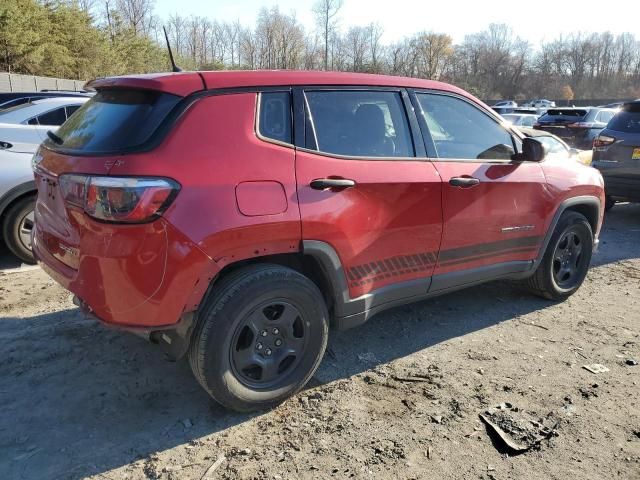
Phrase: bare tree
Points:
(326, 12)
(137, 14)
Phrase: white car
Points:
(520, 119)
(22, 129)
(540, 103)
(29, 122)
(506, 103)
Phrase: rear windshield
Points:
(560, 113)
(114, 120)
(626, 121)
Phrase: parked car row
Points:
(23, 127)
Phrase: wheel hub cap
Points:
(268, 344)
(567, 259)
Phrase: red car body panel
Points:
(231, 156)
(243, 197)
(394, 214)
(508, 196)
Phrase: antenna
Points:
(174, 67)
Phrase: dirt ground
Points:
(399, 397)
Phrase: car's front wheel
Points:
(17, 227)
(260, 337)
(566, 260)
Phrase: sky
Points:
(538, 21)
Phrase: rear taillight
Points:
(603, 141)
(119, 199)
(581, 125)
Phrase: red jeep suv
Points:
(235, 216)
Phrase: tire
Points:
(238, 364)
(16, 228)
(608, 203)
(552, 279)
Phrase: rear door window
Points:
(358, 123)
(115, 120)
(461, 131)
(71, 109)
(54, 118)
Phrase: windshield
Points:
(115, 120)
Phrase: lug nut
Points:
(278, 342)
(264, 333)
(275, 331)
(268, 351)
(258, 346)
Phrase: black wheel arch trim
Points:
(15, 193)
(585, 200)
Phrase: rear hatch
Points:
(562, 121)
(617, 149)
(117, 121)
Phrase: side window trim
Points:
(429, 140)
(308, 139)
(258, 115)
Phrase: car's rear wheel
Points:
(260, 337)
(566, 260)
(17, 227)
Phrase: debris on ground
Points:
(214, 466)
(596, 368)
(518, 429)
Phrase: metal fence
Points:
(12, 82)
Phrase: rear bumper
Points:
(128, 281)
(618, 182)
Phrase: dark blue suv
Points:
(616, 153)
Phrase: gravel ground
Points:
(399, 397)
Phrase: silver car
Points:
(22, 129)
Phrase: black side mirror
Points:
(532, 151)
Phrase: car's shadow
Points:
(78, 399)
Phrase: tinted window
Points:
(71, 109)
(604, 116)
(566, 114)
(54, 117)
(114, 120)
(360, 123)
(460, 130)
(275, 116)
(626, 121)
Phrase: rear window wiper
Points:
(54, 138)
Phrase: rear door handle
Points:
(464, 182)
(329, 183)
